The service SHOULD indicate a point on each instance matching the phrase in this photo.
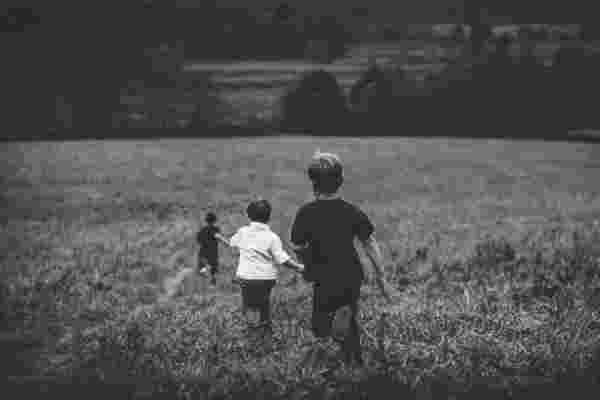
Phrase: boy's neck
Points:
(326, 196)
(259, 223)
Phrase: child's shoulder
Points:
(319, 204)
(242, 228)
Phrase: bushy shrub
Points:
(173, 99)
(383, 96)
(498, 95)
(372, 91)
(316, 103)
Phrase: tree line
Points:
(83, 53)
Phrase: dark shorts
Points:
(329, 298)
(256, 294)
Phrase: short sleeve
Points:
(363, 227)
(299, 234)
(279, 255)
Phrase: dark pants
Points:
(327, 300)
(256, 296)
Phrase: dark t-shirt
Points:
(209, 246)
(329, 228)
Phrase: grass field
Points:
(97, 227)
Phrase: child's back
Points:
(208, 255)
(331, 227)
(260, 251)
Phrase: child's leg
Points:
(265, 328)
(351, 343)
(201, 263)
(328, 302)
(256, 295)
(214, 267)
(213, 274)
(249, 308)
(265, 309)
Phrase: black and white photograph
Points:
(277, 199)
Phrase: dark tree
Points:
(590, 31)
(360, 12)
(480, 29)
(316, 104)
(79, 57)
(80, 52)
(283, 12)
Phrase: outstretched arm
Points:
(283, 258)
(222, 239)
(292, 264)
(373, 252)
(300, 252)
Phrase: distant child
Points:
(260, 252)
(323, 233)
(208, 253)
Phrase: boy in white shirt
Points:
(260, 251)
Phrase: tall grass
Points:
(505, 309)
(511, 311)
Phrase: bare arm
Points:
(300, 251)
(373, 252)
(292, 264)
(222, 239)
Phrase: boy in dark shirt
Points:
(323, 234)
(208, 254)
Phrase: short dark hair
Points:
(326, 173)
(210, 218)
(259, 211)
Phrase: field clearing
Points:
(461, 189)
(410, 187)
(122, 215)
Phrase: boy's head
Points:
(326, 173)
(259, 211)
(210, 218)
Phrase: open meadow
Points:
(504, 298)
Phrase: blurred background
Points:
(271, 65)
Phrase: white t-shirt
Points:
(261, 251)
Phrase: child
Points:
(260, 251)
(323, 233)
(208, 254)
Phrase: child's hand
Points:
(222, 238)
(294, 265)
